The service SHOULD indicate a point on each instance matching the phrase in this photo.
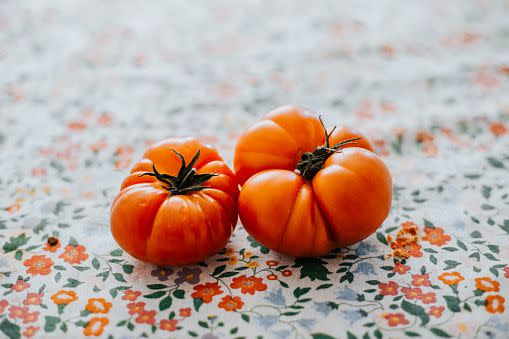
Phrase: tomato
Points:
(307, 191)
(177, 206)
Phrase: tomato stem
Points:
(186, 181)
(311, 163)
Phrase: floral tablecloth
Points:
(87, 85)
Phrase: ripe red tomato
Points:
(306, 191)
(178, 206)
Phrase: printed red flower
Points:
(95, 326)
(412, 293)
(30, 331)
(248, 285)
(38, 264)
(168, 325)
(16, 312)
(20, 286)
(146, 317)
(429, 298)
(30, 317)
(506, 270)
(271, 263)
(33, 299)
(487, 284)
(395, 319)
(231, 304)
(436, 311)
(77, 126)
(286, 273)
(390, 288)
(98, 305)
(272, 277)
(421, 280)
(185, 312)
(400, 268)
(131, 295)
(495, 304)
(3, 305)
(74, 254)
(206, 291)
(135, 308)
(436, 236)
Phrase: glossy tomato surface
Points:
(157, 226)
(343, 203)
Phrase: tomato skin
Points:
(342, 204)
(159, 227)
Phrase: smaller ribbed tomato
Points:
(306, 191)
(178, 206)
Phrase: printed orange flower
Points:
(233, 260)
(146, 317)
(390, 288)
(52, 245)
(248, 285)
(16, 312)
(272, 277)
(33, 299)
(495, 304)
(405, 248)
(206, 291)
(95, 326)
(185, 312)
(271, 263)
(436, 236)
(229, 251)
(20, 286)
(98, 305)
(135, 308)
(131, 295)
(168, 325)
(64, 297)
(498, 129)
(487, 284)
(38, 264)
(421, 280)
(77, 126)
(436, 311)
(395, 319)
(400, 268)
(412, 293)
(30, 317)
(74, 254)
(428, 298)
(30, 331)
(253, 264)
(3, 305)
(231, 304)
(451, 278)
(248, 254)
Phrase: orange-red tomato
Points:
(302, 198)
(170, 213)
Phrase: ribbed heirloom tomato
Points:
(178, 206)
(306, 191)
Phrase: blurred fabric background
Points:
(87, 85)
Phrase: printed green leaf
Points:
(312, 268)
(416, 310)
(11, 330)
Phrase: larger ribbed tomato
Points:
(178, 206)
(306, 191)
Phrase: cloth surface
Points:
(87, 85)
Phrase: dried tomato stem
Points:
(311, 163)
(186, 181)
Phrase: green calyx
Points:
(311, 163)
(186, 181)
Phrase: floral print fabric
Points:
(86, 86)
